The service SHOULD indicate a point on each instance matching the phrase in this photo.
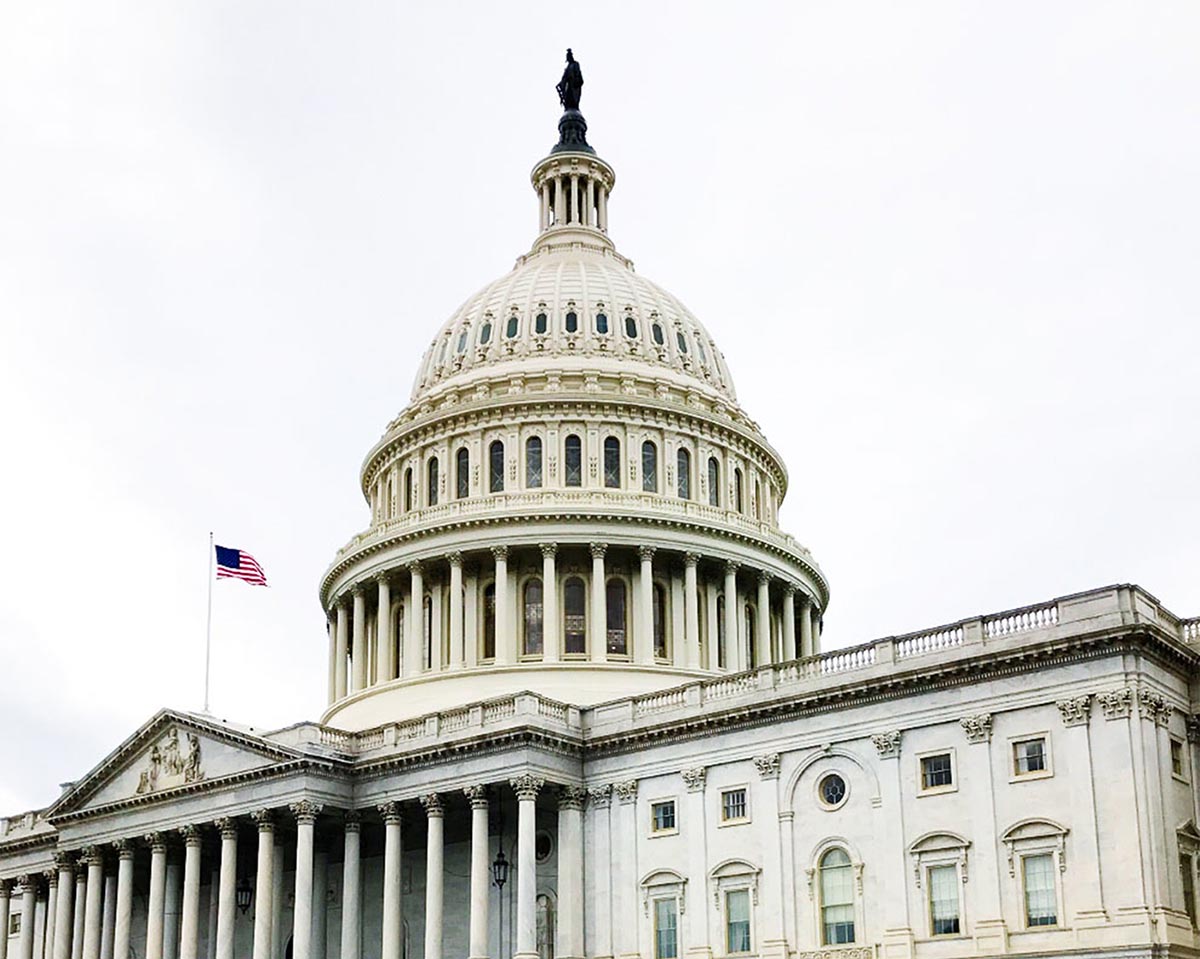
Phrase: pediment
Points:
(171, 753)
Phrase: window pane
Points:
(721, 632)
(733, 804)
(489, 622)
(485, 334)
(660, 624)
(573, 456)
(936, 771)
(737, 920)
(511, 329)
(630, 327)
(539, 323)
(614, 596)
(612, 463)
(714, 482)
(462, 469)
(943, 900)
(657, 332)
(574, 616)
(666, 921)
(601, 323)
(681, 342)
(533, 617)
(1041, 903)
(533, 462)
(662, 816)
(837, 897)
(1030, 756)
(683, 469)
(737, 490)
(496, 466)
(408, 489)
(572, 321)
(649, 467)
(433, 482)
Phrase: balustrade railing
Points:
(1191, 630)
(930, 641)
(1021, 620)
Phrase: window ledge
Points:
(937, 790)
(744, 820)
(1027, 777)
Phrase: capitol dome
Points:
(572, 503)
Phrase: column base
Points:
(773, 949)
(991, 936)
(897, 943)
(525, 955)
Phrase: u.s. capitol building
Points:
(578, 706)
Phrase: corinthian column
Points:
(550, 617)
(643, 637)
(599, 627)
(691, 611)
(457, 655)
(358, 649)
(124, 920)
(264, 877)
(342, 641)
(506, 646)
(189, 924)
(51, 877)
(734, 660)
(80, 907)
(526, 788)
(789, 622)
(63, 911)
(414, 623)
(302, 917)
(383, 632)
(5, 901)
(392, 904)
(481, 877)
(94, 908)
(28, 886)
(158, 890)
(227, 896)
(570, 873)
(351, 901)
(763, 628)
(434, 878)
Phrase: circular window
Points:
(543, 846)
(832, 790)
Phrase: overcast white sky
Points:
(950, 251)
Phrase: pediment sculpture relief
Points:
(168, 766)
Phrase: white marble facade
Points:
(574, 649)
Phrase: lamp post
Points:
(500, 869)
(244, 895)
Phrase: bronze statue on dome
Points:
(571, 85)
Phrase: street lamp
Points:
(244, 895)
(500, 870)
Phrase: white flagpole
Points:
(208, 628)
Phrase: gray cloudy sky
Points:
(950, 251)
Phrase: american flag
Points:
(238, 564)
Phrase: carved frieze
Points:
(1076, 710)
(168, 765)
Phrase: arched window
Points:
(496, 466)
(533, 462)
(683, 473)
(656, 331)
(612, 463)
(681, 342)
(573, 460)
(714, 482)
(630, 326)
(531, 644)
(571, 321)
(462, 341)
(720, 632)
(432, 471)
(391, 497)
(539, 323)
(462, 471)
(427, 621)
(700, 348)
(737, 491)
(489, 622)
(614, 601)
(758, 503)
(660, 622)
(514, 324)
(837, 898)
(751, 639)
(485, 333)
(574, 616)
(602, 323)
(408, 490)
(649, 467)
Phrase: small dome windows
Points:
(656, 331)
(700, 349)
(445, 346)
(540, 323)
(681, 341)
(485, 333)
(631, 329)
(462, 341)
(514, 325)
(572, 322)
(602, 323)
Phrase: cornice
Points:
(356, 555)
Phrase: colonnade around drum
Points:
(565, 602)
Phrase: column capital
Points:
(767, 766)
(124, 848)
(732, 566)
(227, 826)
(500, 552)
(434, 808)
(94, 855)
(264, 819)
(26, 882)
(306, 811)
(694, 778)
(646, 553)
(157, 841)
(978, 728)
(887, 744)
(571, 797)
(526, 786)
(600, 796)
(357, 590)
(51, 877)
(415, 568)
(1075, 711)
(381, 577)
(764, 576)
(455, 558)
(390, 811)
(66, 860)
(478, 796)
(548, 549)
(191, 835)
(626, 791)
(352, 820)
(598, 550)
(691, 560)
(789, 589)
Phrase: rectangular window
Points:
(1029, 756)
(937, 771)
(662, 816)
(733, 804)
(1041, 902)
(943, 900)
(1187, 872)
(14, 925)
(666, 929)
(737, 920)
(1177, 758)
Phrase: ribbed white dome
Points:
(523, 321)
